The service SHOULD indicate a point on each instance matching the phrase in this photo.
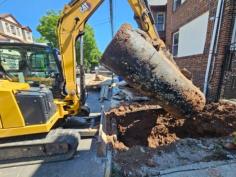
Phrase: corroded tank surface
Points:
(152, 73)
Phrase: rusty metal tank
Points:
(152, 73)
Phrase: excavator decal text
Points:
(85, 7)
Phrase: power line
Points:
(112, 26)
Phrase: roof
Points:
(27, 28)
(5, 15)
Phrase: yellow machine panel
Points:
(6, 85)
(11, 116)
(32, 129)
(12, 121)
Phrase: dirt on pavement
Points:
(154, 127)
(152, 138)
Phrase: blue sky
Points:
(28, 12)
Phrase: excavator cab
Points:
(35, 64)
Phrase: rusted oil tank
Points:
(151, 73)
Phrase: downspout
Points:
(213, 45)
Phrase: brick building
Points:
(159, 9)
(11, 30)
(201, 34)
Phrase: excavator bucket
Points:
(152, 73)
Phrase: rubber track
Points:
(58, 136)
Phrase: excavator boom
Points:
(71, 26)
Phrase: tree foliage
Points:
(48, 30)
(91, 51)
(48, 27)
(41, 40)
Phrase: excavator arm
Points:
(71, 26)
(145, 20)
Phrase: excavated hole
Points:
(155, 127)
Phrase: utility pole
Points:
(112, 28)
(111, 18)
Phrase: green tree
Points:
(48, 27)
(91, 51)
(41, 40)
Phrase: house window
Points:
(197, 29)
(177, 4)
(160, 21)
(28, 34)
(13, 29)
(175, 44)
(18, 32)
(7, 27)
(23, 34)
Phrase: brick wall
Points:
(163, 9)
(188, 11)
(228, 92)
(224, 41)
(196, 65)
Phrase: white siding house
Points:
(11, 30)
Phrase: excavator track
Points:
(57, 145)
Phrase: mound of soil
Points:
(153, 127)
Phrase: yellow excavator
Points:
(38, 87)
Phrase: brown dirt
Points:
(147, 126)
(92, 80)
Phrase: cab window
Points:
(29, 64)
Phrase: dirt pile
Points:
(148, 126)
